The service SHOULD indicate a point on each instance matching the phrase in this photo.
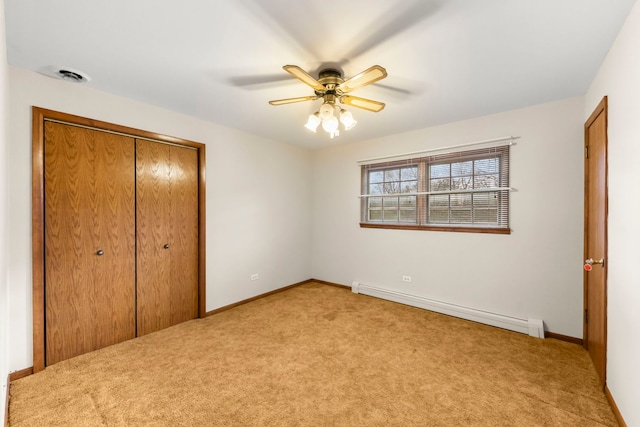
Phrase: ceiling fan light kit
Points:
(332, 88)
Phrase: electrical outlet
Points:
(255, 276)
(406, 278)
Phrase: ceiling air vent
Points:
(72, 75)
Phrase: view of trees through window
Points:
(469, 190)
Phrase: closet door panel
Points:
(89, 240)
(153, 204)
(184, 234)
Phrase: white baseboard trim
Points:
(532, 327)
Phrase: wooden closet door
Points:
(89, 240)
(167, 235)
(184, 234)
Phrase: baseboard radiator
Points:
(532, 327)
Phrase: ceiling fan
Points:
(332, 88)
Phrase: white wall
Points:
(533, 272)
(4, 293)
(258, 197)
(619, 79)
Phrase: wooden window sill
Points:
(454, 228)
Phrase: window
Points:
(392, 181)
(461, 191)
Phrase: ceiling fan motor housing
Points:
(330, 78)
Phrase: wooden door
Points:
(183, 234)
(595, 239)
(89, 240)
(167, 235)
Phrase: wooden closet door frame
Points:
(39, 116)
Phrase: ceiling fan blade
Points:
(292, 100)
(365, 104)
(293, 22)
(368, 76)
(249, 81)
(304, 77)
(396, 21)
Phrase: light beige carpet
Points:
(318, 355)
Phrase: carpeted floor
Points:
(318, 355)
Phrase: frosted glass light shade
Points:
(331, 124)
(346, 118)
(313, 122)
(326, 111)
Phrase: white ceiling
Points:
(221, 60)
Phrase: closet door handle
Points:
(100, 252)
(166, 246)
